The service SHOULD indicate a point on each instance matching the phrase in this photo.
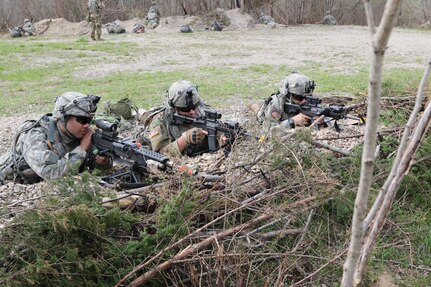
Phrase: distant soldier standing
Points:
(95, 8)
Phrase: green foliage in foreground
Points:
(72, 240)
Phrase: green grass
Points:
(34, 72)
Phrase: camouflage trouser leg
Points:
(96, 26)
(93, 30)
(98, 30)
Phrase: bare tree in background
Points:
(290, 12)
(426, 10)
(360, 249)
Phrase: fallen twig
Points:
(331, 148)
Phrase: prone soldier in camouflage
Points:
(95, 8)
(28, 28)
(55, 145)
(115, 27)
(328, 19)
(294, 88)
(177, 140)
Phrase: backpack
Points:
(13, 165)
(122, 109)
(15, 32)
(115, 28)
(260, 116)
(185, 29)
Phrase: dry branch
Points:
(194, 248)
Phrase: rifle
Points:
(211, 123)
(106, 140)
(312, 108)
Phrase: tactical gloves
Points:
(193, 136)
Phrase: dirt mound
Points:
(61, 26)
(239, 21)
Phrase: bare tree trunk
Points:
(406, 135)
(401, 168)
(379, 43)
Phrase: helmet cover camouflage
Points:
(75, 104)
(183, 94)
(26, 20)
(297, 84)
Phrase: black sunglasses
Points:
(297, 97)
(84, 120)
(187, 109)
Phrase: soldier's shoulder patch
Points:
(154, 132)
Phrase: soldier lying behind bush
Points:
(56, 145)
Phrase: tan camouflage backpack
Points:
(124, 108)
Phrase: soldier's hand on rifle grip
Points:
(193, 136)
(101, 159)
(223, 140)
(301, 120)
(320, 120)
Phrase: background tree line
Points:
(290, 12)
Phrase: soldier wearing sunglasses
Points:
(55, 145)
(176, 140)
(294, 88)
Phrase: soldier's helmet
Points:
(75, 104)
(183, 94)
(26, 20)
(328, 12)
(297, 84)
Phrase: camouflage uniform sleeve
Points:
(273, 110)
(160, 141)
(46, 163)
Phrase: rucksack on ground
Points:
(124, 108)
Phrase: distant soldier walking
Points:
(95, 8)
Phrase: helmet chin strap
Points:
(63, 128)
